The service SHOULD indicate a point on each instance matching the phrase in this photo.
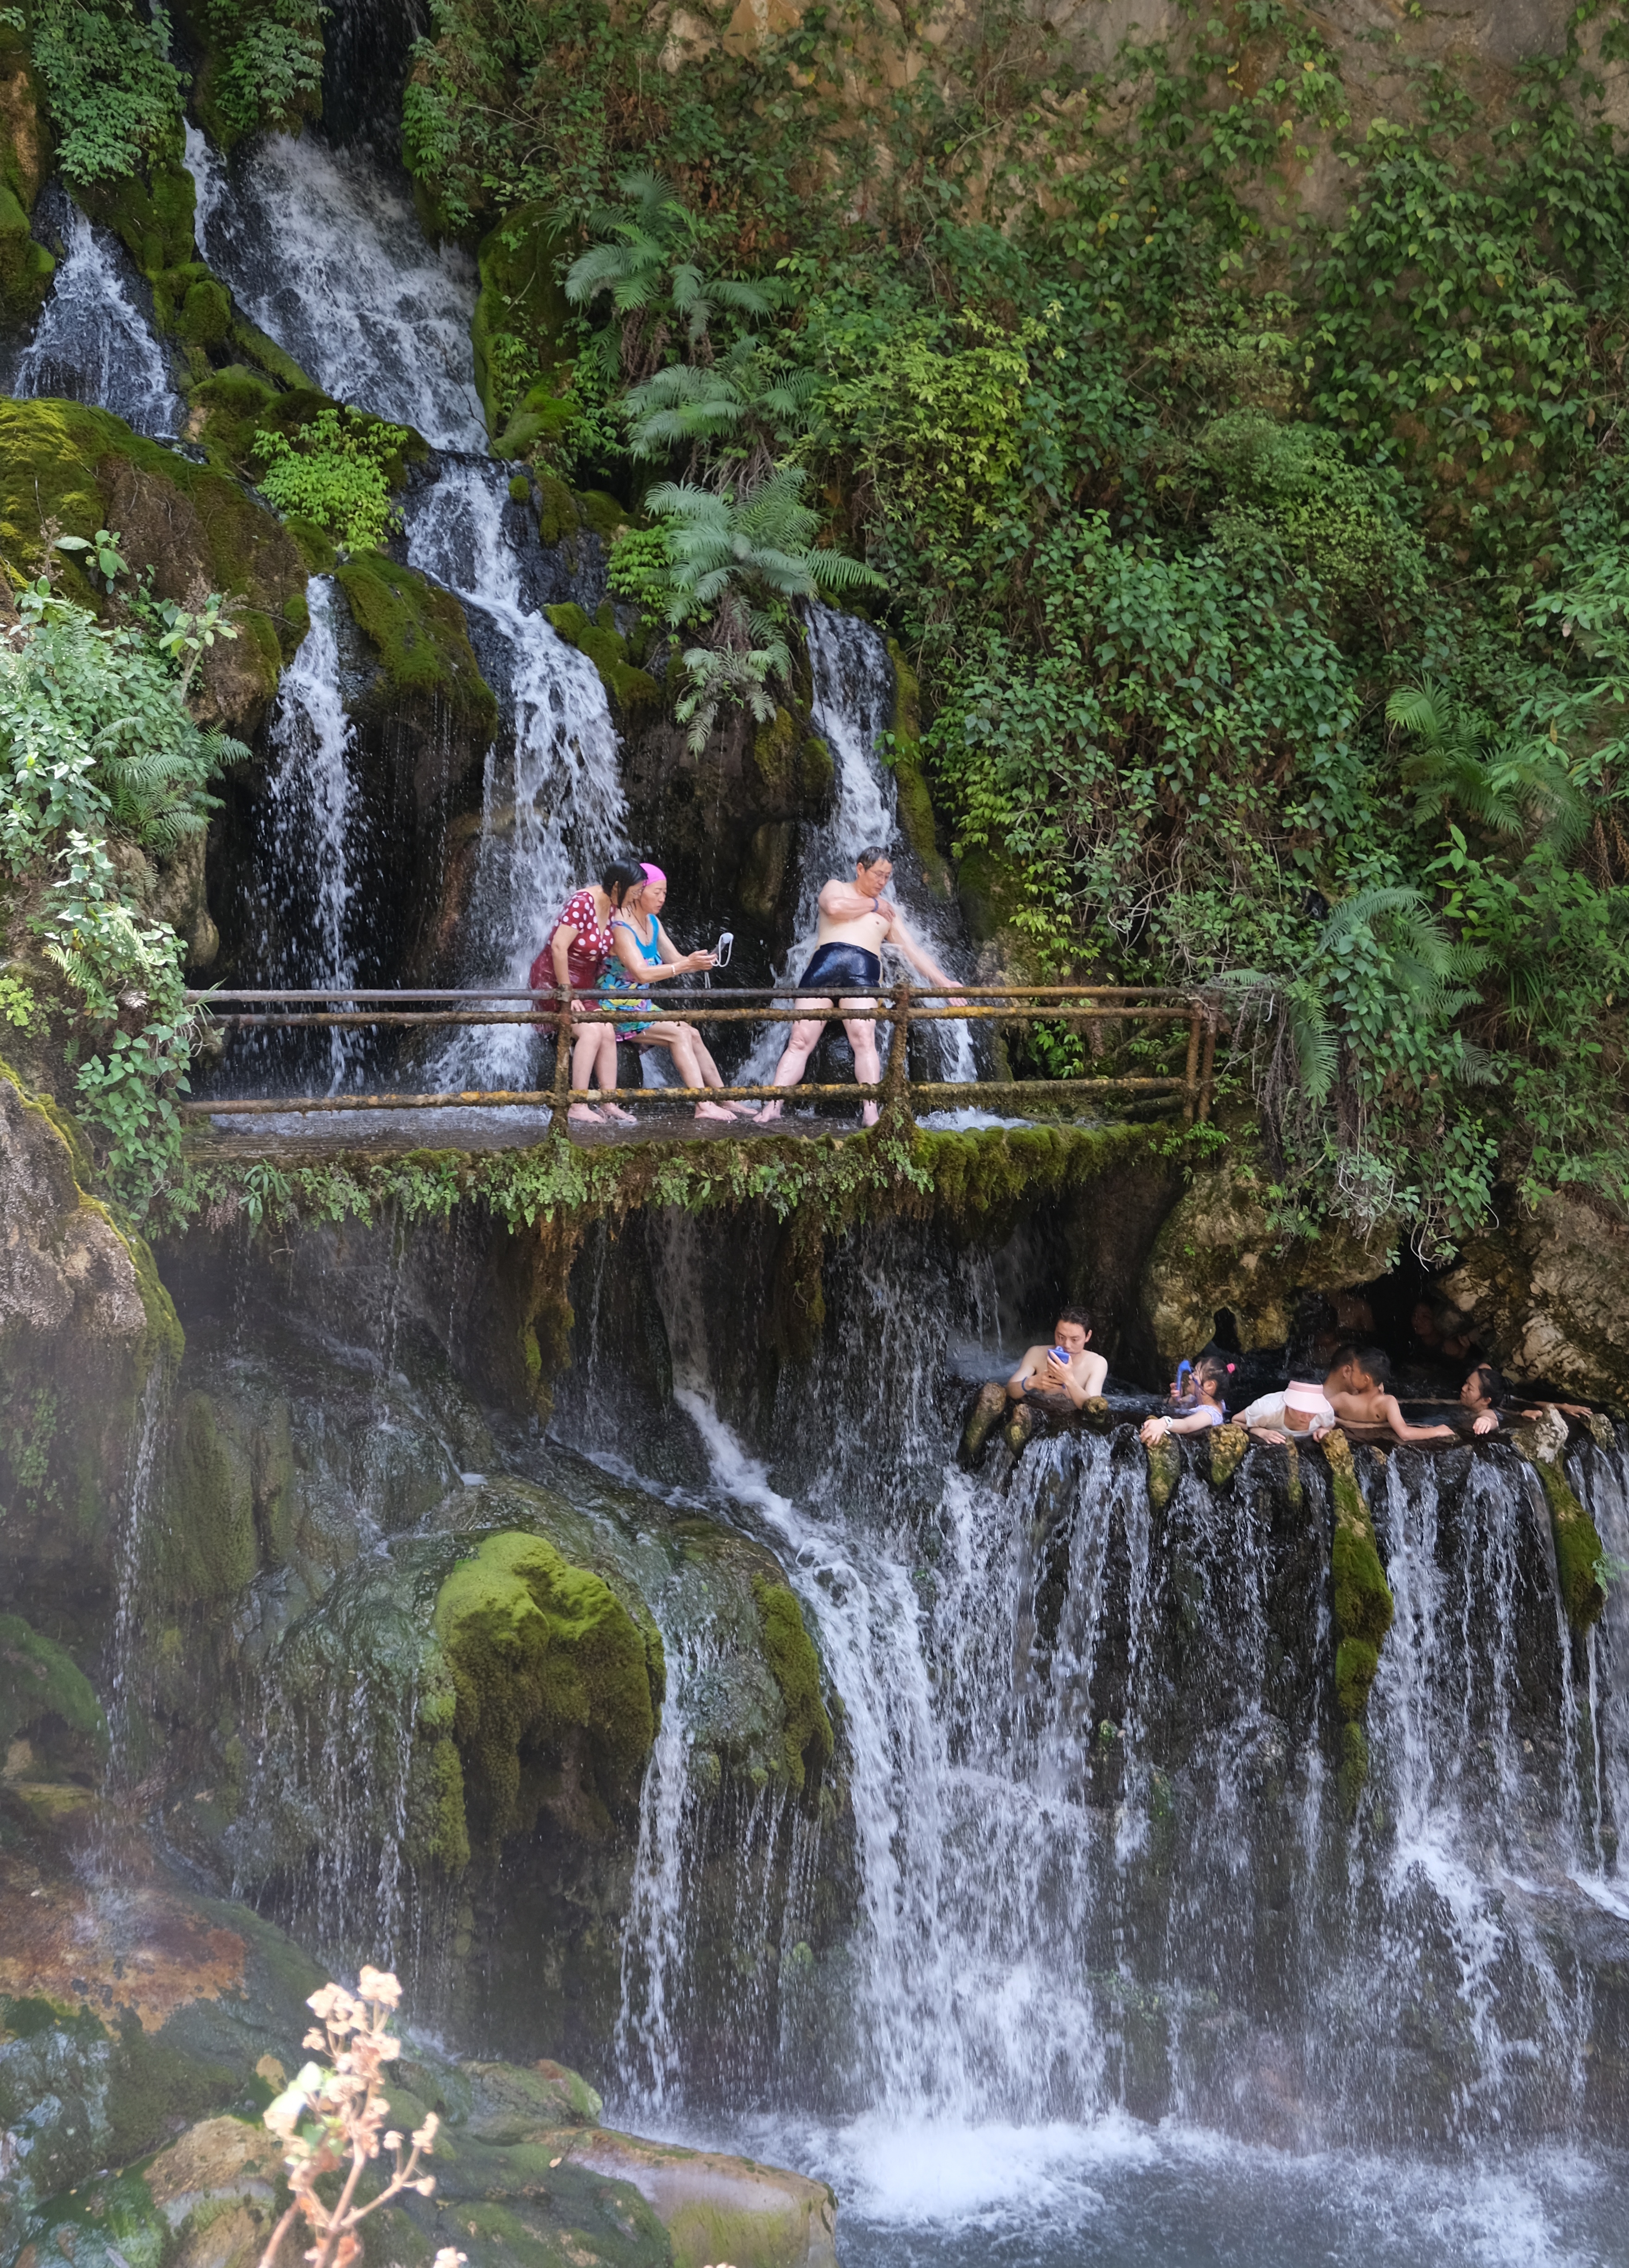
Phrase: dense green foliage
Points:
(1264, 581)
(335, 473)
(100, 756)
(115, 97)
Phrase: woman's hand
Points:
(1487, 1422)
(699, 961)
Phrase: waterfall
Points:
(553, 812)
(129, 1555)
(311, 823)
(324, 252)
(853, 706)
(92, 343)
(1103, 1863)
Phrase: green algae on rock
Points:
(630, 688)
(1165, 1470)
(1580, 1556)
(544, 1659)
(806, 1743)
(421, 638)
(1362, 1609)
(39, 1682)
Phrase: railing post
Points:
(897, 1078)
(1192, 1077)
(563, 1062)
(1207, 1067)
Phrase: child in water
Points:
(1210, 1377)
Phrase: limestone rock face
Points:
(83, 1322)
(63, 1267)
(1549, 1296)
(1217, 1250)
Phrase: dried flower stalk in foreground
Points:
(334, 2116)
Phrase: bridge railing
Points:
(906, 1008)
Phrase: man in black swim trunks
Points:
(856, 921)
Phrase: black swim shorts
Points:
(846, 968)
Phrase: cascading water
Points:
(553, 811)
(1103, 1866)
(92, 342)
(324, 252)
(852, 708)
(311, 824)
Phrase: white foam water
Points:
(92, 342)
(313, 816)
(324, 252)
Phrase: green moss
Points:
(152, 218)
(541, 1653)
(1228, 1445)
(556, 517)
(1361, 1605)
(25, 267)
(1580, 1557)
(817, 773)
(522, 316)
(1165, 1470)
(58, 459)
(520, 489)
(155, 2086)
(630, 688)
(701, 2232)
(37, 1679)
(795, 1667)
(914, 802)
(991, 889)
(205, 316)
(606, 514)
(421, 638)
(208, 1549)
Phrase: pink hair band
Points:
(651, 873)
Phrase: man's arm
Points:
(842, 902)
(923, 963)
(1404, 1431)
(1033, 1358)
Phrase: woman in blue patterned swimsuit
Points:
(642, 948)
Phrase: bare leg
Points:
(863, 1039)
(584, 1056)
(714, 1077)
(794, 1062)
(608, 1076)
(687, 1052)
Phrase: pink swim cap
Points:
(651, 873)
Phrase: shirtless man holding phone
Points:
(856, 922)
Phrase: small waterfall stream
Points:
(92, 342)
(853, 707)
(324, 253)
(313, 825)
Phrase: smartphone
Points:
(722, 951)
(1060, 1354)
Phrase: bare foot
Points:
(868, 1115)
(623, 1117)
(583, 1114)
(770, 1110)
(712, 1111)
(742, 1110)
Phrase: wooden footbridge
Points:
(905, 1009)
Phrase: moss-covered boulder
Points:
(1219, 1249)
(47, 1703)
(189, 523)
(554, 1679)
(914, 800)
(207, 1549)
(1580, 1555)
(421, 640)
(806, 1740)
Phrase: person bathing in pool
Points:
(856, 922)
(642, 948)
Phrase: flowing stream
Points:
(93, 343)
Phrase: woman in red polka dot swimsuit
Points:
(575, 953)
